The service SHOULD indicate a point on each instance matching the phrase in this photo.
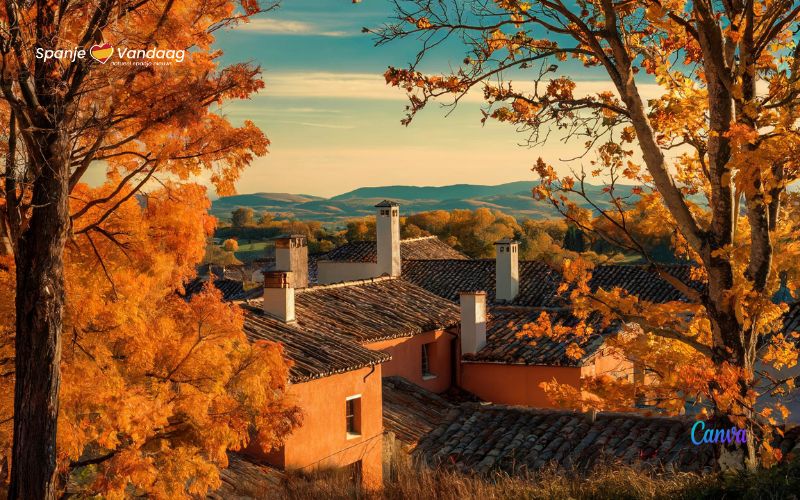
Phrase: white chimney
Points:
(387, 229)
(279, 295)
(506, 270)
(473, 321)
(291, 254)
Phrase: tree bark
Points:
(39, 310)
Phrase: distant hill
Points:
(513, 198)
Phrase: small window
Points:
(427, 352)
(353, 416)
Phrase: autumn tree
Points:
(146, 124)
(700, 112)
(242, 217)
(230, 245)
(156, 389)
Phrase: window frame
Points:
(352, 416)
(425, 360)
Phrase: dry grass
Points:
(408, 482)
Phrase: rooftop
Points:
(426, 247)
(371, 310)
(410, 411)
(503, 345)
(485, 438)
(315, 353)
(538, 282)
(245, 478)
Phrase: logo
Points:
(722, 436)
(101, 53)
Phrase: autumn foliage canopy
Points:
(154, 389)
(700, 114)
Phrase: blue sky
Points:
(335, 125)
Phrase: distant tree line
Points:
(472, 232)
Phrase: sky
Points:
(335, 125)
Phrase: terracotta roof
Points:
(642, 282)
(538, 282)
(245, 478)
(372, 310)
(516, 440)
(315, 353)
(231, 289)
(503, 346)
(426, 247)
(446, 278)
(410, 411)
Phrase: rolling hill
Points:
(513, 198)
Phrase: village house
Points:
(501, 363)
(383, 257)
(341, 340)
(337, 385)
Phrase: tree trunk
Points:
(5, 237)
(39, 309)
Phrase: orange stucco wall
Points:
(514, 384)
(322, 441)
(519, 384)
(407, 359)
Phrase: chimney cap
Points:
(387, 203)
(472, 292)
(505, 241)
(278, 279)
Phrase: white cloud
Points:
(287, 27)
(373, 86)
(318, 125)
(336, 85)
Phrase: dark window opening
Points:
(427, 352)
(353, 415)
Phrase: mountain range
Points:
(513, 198)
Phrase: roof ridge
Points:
(418, 238)
(343, 284)
(577, 413)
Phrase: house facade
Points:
(337, 385)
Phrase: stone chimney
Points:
(473, 321)
(291, 254)
(387, 230)
(506, 270)
(279, 295)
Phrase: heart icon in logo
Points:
(102, 53)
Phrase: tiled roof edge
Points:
(577, 413)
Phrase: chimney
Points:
(506, 270)
(387, 229)
(291, 254)
(279, 295)
(473, 321)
